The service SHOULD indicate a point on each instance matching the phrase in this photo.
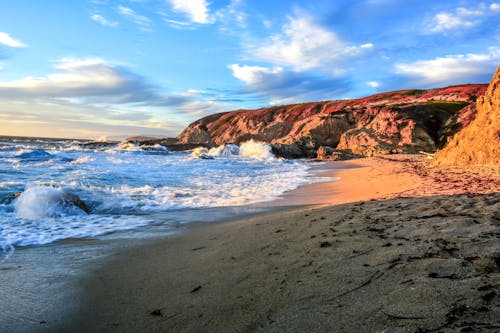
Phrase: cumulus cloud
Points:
(7, 40)
(90, 79)
(461, 18)
(279, 85)
(458, 68)
(197, 11)
(305, 45)
(132, 16)
(103, 21)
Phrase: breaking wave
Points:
(250, 149)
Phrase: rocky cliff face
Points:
(479, 142)
(400, 121)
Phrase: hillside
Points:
(405, 121)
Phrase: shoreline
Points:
(35, 275)
(302, 268)
(415, 257)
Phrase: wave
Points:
(137, 147)
(250, 149)
(35, 155)
(38, 201)
(43, 214)
(225, 150)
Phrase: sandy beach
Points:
(395, 246)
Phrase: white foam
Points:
(6, 251)
(199, 152)
(22, 232)
(82, 159)
(225, 150)
(250, 149)
(257, 150)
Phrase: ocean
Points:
(54, 189)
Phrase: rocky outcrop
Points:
(404, 121)
(478, 143)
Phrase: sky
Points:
(110, 69)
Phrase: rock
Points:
(196, 134)
(149, 141)
(328, 153)
(9, 198)
(304, 147)
(324, 152)
(70, 199)
(479, 142)
(287, 150)
(97, 144)
(406, 121)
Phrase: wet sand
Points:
(397, 247)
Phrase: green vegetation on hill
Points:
(450, 106)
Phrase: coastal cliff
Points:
(478, 143)
(406, 121)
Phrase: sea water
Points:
(56, 189)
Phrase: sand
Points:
(393, 246)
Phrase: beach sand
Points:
(394, 247)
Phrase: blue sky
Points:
(102, 68)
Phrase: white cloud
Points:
(103, 21)
(373, 84)
(232, 16)
(458, 68)
(95, 94)
(304, 45)
(495, 7)
(461, 18)
(266, 23)
(82, 80)
(196, 10)
(7, 40)
(2, 66)
(278, 85)
(254, 75)
(131, 15)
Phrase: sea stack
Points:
(478, 143)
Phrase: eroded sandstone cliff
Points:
(402, 121)
(479, 142)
